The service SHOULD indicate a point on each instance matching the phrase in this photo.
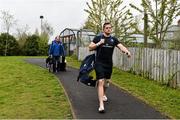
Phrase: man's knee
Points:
(101, 82)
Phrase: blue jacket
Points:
(57, 49)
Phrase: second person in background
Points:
(56, 51)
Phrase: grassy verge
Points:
(28, 91)
(164, 99)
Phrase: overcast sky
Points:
(60, 14)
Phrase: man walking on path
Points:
(104, 45)
(56, 50)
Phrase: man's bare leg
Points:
(106, 85)
(100, 94)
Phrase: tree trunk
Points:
(145, 28)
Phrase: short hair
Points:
(57, 37)
(106, 23)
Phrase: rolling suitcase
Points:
(62, 66)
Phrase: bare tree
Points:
(22, 34)
(8, 21)
(36, 32)
(95, 11)
(109, 10)
(47, 31)
(138, 19)
(160, 17)
(47, 28)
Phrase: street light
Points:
(41, 17)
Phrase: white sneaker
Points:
(101, 110)
(105, 98)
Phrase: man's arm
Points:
(93, 46)
(124, 49)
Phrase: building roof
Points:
(72, 31)
(173, 28)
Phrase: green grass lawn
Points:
(164, 99)
(30, 92)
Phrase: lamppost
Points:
(41, 17)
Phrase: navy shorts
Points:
(103, 71)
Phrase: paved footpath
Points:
(84, 99)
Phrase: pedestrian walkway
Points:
(84, 99)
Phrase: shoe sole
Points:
(102, 111)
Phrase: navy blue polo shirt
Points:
(105, 51)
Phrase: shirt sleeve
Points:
(116, 41)
(96, 39)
